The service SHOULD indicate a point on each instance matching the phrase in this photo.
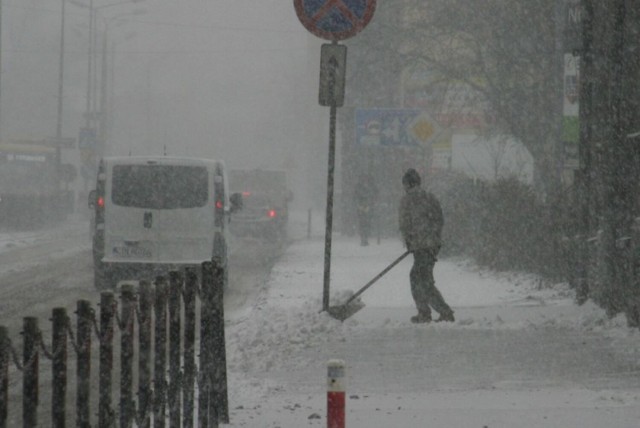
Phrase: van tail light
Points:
(218, 191)
(100, 197)
(99, 210)
(219, 213)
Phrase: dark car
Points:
(260, 217)
(266, 198)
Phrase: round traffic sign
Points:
(334, 19)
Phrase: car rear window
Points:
(251, 200)
(160, 186)
(258, 181)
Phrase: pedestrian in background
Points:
(365, 195)
(421, 223)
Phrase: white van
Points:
(157, 214)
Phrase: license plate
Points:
(132, 252)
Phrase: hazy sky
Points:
(231, 79)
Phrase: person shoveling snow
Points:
(421, 223)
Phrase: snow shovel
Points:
(348, 309)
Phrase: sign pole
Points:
(332, 20)
(329, 215)
(330, 174)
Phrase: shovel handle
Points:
(377, 277)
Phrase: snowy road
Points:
(44, 269)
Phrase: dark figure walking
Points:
(421, 222)
(364, 195)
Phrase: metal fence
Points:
(164, 315)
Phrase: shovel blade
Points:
(343, 312)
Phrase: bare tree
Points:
(506, 51)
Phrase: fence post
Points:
(4, 376)
(59, 365)
(83, 337)
(159, 407)
(190, 290)
(30, 373)
(107, 307)
(219, 356)
(204, 377)
(175, 288)
(126, 355)
(144, 360)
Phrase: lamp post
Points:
(0, 67)
(92, 37)
(88, 6)
(103, 119)
(60, 90)
(87, 141)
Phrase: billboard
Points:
(391, 127)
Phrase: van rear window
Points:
(160, 186)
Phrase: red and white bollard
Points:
(335, 394)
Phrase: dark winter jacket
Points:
(421, 220)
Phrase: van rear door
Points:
(159, 213)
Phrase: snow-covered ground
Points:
(520, 354)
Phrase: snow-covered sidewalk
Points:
(520, 353)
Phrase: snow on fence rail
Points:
(165, 314)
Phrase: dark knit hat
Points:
(411, 178)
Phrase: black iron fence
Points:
(154, 322)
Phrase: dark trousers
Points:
(423, 285)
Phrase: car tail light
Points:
(271, 213)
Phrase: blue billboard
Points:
(386, 127)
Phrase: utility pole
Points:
(60, 90)
(89, 72)
(1, 70)
(60, 74)
(102, 122)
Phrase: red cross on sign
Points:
(334, 19)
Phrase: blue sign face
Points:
(334, 19)
(385, 127)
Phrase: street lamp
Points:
(90, 113)
(87, 141)
(60, 95)
(102, 131)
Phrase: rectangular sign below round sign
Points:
(333, 60)
(334, 19)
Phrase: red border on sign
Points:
(309, 22)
